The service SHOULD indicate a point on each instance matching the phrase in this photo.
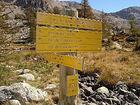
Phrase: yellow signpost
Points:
(57, 33)
(55, 20)
(66, 40)
(67, 21)
(72, 85)
(65, 60)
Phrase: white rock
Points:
(117, 46)
(51, 86)
(4, 87)
(38, 78)
(29, 77)
(103, 90)
(37, 95)
(92, 104)
(14, 102)
(28, 92)
(23, 71)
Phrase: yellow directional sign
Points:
(69, 61)
(72, 85)
(66, 21)
(66, 40)
(55, 20)
(89, 24)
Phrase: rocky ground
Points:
(22, 93)
(93, 92)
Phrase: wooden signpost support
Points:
(64, 99)
(66, 36)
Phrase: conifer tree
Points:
(86, 10)
(134, 30)
(56, 10)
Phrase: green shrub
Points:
(6, 76)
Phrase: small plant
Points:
(6, 76)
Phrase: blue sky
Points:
(111, 5)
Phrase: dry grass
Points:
(116, 66)
(44, 72)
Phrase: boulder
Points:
(3, 97)
(23, 71)
(28, 92)
(117, 46)
(92, 104)
(14, 102)
(103, 90)
(51, 86)
(28, 77)
(121, 85)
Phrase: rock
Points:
(122, 88)
(131, 97)
(91, 99)
(117, 46)
(137, 102)
(6, 95)
(28, 77)
(119, 94)
(92, 104)
(28, 92)
(128, 49)
(55, 99)
(98, 97)
(51, 87)
(121, 85)
(23, 71)
(87, 88)
(114, 100)
(38, 78)
(3, 87)
(103, 90)
(3, 97)
(14, 102)
(102, 103)
(122, 91)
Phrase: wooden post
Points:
(64, 99)
(64, 72)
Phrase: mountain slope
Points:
(119, 19)
(36, 4)
(127, 13)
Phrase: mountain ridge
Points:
(128, 13)
(119, 18)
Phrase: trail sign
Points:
(69, 61)
(57, 33)
(72, 85)
(67, 21)
(66, 40)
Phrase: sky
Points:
(111, 5)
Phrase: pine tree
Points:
(86, 10)
(56, 10)
(30, 17)
(134, 30)
(106, 28)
